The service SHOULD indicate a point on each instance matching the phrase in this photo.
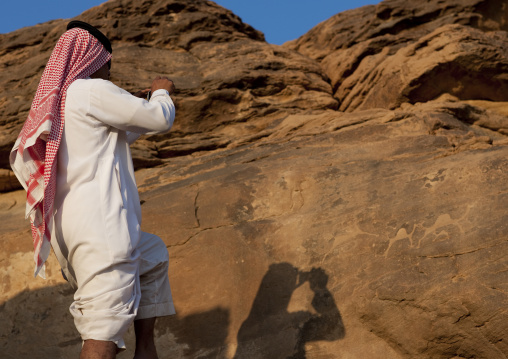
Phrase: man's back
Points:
(97, 197)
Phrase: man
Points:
(73, 159)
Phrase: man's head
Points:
(92, 30)
(104, 71)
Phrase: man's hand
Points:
(317, 279)
(163, 83)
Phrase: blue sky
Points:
(279, 20)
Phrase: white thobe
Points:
(97, 210)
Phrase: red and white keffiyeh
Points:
(77, 55)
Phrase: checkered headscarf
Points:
(77, 55)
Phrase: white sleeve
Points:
(118, 108)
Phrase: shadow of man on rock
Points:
(201, 335)
(271, 331)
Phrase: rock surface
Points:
(407, 51)
(296, 230)
(226, 75)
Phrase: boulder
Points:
(397, 22)
(379, 56)
(464, 62)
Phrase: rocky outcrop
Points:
(399, 51)
(226, 75)
(296, 230)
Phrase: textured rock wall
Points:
(296, 230)
(226, 75)
(406, 51)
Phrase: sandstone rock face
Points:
(296, 230)
(226, 75)
(453, 59)
(380, 56)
